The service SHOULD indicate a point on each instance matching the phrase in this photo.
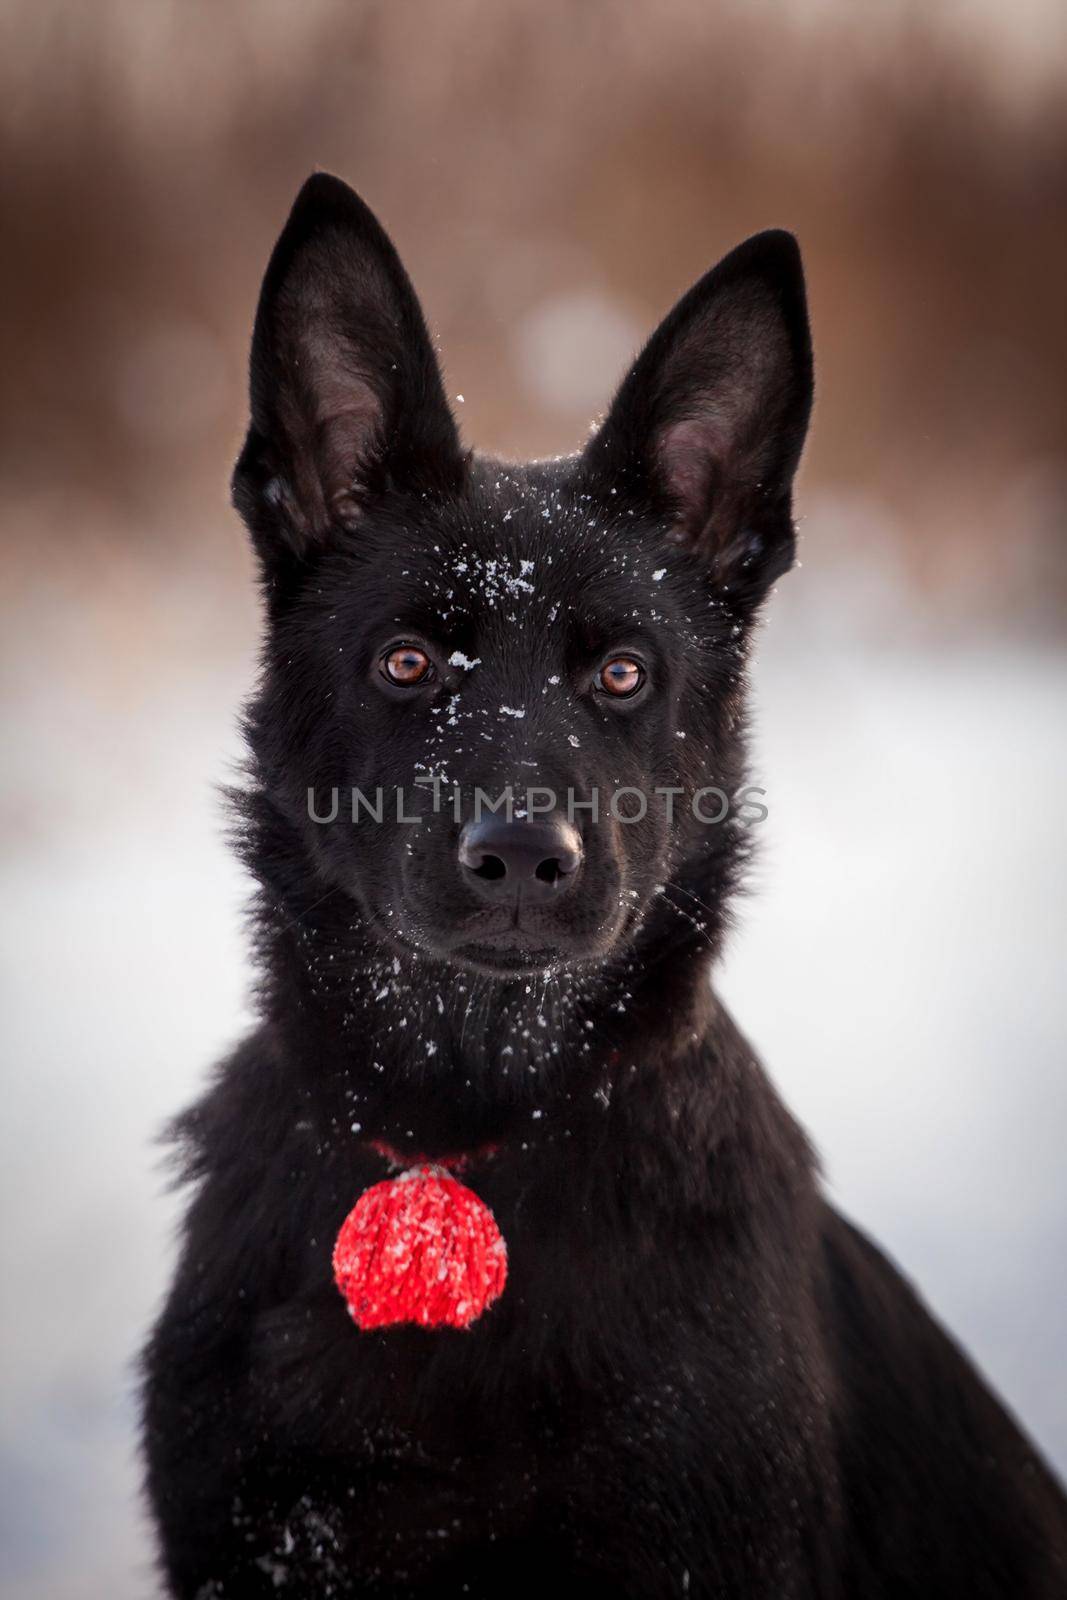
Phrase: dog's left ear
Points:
(708, 425)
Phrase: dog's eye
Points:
(407, 666)
(621, 677)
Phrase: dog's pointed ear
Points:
(346, 394)
(708, 425)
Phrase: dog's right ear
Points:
(347, 401)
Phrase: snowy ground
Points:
(900, 968)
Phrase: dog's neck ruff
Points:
(420, 1247)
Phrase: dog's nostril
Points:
(548, 871)
(491, 867)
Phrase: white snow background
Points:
(900, 967)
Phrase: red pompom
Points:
(419, 1248)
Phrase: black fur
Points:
(699, 1380)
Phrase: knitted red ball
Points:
(419, 1248)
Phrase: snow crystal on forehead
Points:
(497, 577)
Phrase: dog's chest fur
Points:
(601, 1393)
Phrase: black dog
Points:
(699, 1379)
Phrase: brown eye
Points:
(407, 666)
(621, 677)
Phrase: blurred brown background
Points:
(554, 175)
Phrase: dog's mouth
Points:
(508, 953)
(503, 958)
(518, 950)
(505, 942)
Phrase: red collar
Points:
(400, 1160)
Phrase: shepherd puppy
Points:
(504, 1267)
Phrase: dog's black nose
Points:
(541, 858)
